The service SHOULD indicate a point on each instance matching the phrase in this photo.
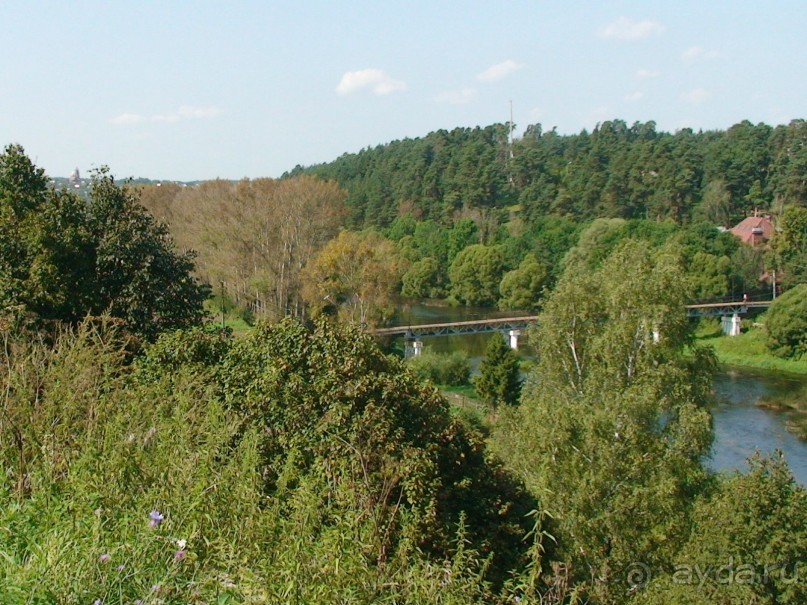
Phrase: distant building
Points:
(75, 178)
(754, 230)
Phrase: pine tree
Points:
(498, 381)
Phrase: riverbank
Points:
(748, 350)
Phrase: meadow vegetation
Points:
(149, 457)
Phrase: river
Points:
(741, 425)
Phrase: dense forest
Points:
(615, 171)
(148, 455)
(467, 217)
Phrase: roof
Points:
(754, 230)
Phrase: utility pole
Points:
(510, 147)
(774, 284)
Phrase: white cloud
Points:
(374, 79)
(186, 112)
(499, 71)
(128, 118)
(628, 29)
(634, 96)
(696, 96)
(644, 74)
(456, 97)
(695, 53)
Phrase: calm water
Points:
(741, 425)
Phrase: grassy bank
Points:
(749, 350)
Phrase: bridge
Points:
(513, 326)
(510, 325)
(739, 307)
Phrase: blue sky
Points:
(197, 90)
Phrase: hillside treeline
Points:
(299, 463)
(614, 171)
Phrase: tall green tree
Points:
(789, 246)
(522, 288)
(475, 275)
(498, 382)
(139, 275)
(46, 249)
(612, 428)
(64, 258)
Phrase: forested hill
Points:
(615, 171)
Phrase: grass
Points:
(466, 405)
(749, 350)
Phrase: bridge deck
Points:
(476, 326)
(503, 324)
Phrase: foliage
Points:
(355, 274)
(253, 237)
(615, 171)
(709, 275)
(747, 543)
(286, 466)
(499, 381)
(522, 288)
(422, 280)
(786, 323)
(64, 258)
(611, 431)
(451, 369)
(475, 275)
(789, 245)
(138, 275)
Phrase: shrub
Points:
(452, 369)
(288, 466)
(786, 323)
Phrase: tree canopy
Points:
(64, 258)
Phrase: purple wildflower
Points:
(104, 558)
(180, 555)
(155, 518)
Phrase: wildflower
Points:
(181, 544)
(155, 518)
(104, 558)
(120, 567)
(98, 602)
(180, 555)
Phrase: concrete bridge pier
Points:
(413, 348)
(732, 325)
(514, 334)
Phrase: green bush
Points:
(786, 323)
(452, 369)
(286, 466)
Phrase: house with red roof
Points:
(754, 230)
